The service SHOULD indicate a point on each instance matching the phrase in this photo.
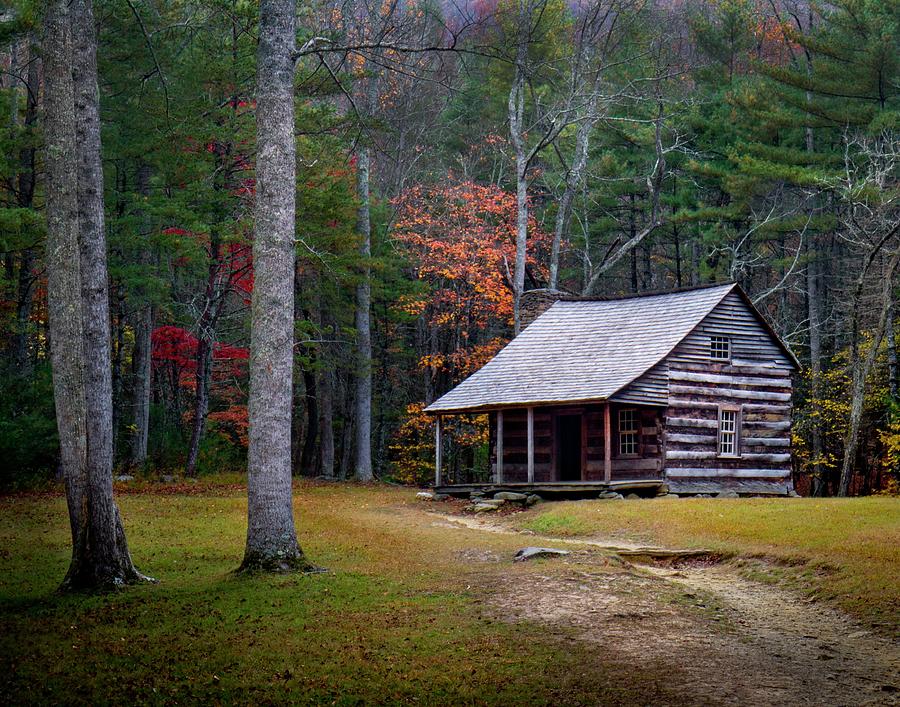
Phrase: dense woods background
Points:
(451, 156)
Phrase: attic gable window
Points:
(628, 431)
(720, 348)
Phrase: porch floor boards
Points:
(567, 489)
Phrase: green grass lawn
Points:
(400, 617)
(845, 551)
(396, 619)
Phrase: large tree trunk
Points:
(76, 290)
(63, 264)
(363, 446)
(271, 536)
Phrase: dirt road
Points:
(728, 640)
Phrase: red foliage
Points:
(177, 348)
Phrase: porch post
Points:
(530, 445)
(607, 444)
(437, 451)
(499, 446)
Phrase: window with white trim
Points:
(628, 431)
(720, 348)
(729, 432)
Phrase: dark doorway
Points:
(568, 447)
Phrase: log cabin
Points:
(690, 389)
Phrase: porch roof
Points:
(581, 350)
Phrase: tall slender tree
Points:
(271, 536)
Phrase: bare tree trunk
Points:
(326, 421)
(326, 392)
(271, 536)
(25, 199)
(516, 116)
(363, 446)
(862, 369)
(311, 435)
(818, 486)
(893, 369)
(142, 354)
(142, 372)
(573, 181)
(201, 401)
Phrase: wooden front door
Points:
(568, 447)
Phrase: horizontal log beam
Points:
(728, 379)
(747, 456)
(748, 407)
(736, 473)
(742, 369)
(737, 393)
(691, 422)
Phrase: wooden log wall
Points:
(756, 381)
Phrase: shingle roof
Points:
(584, 350)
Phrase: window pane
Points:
(720, 348)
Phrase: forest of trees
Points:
(446, 157)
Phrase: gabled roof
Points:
(581, 350)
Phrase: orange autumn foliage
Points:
(460, 237)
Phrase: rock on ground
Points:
(528, 553)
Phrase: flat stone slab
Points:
(511, 496)
(529, 553)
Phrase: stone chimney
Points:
(535, 303)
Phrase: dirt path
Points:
(727, 639)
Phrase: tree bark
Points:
(516, 115)
(573, 180)
(326, 392)
(77, 289)
(861, 369)
(142, 353)
(201, 401)
(818, 486)
(326, 421)
(25, 199)
(63, 264)
(363, 426)
(271, 535)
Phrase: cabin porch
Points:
(589, 447)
